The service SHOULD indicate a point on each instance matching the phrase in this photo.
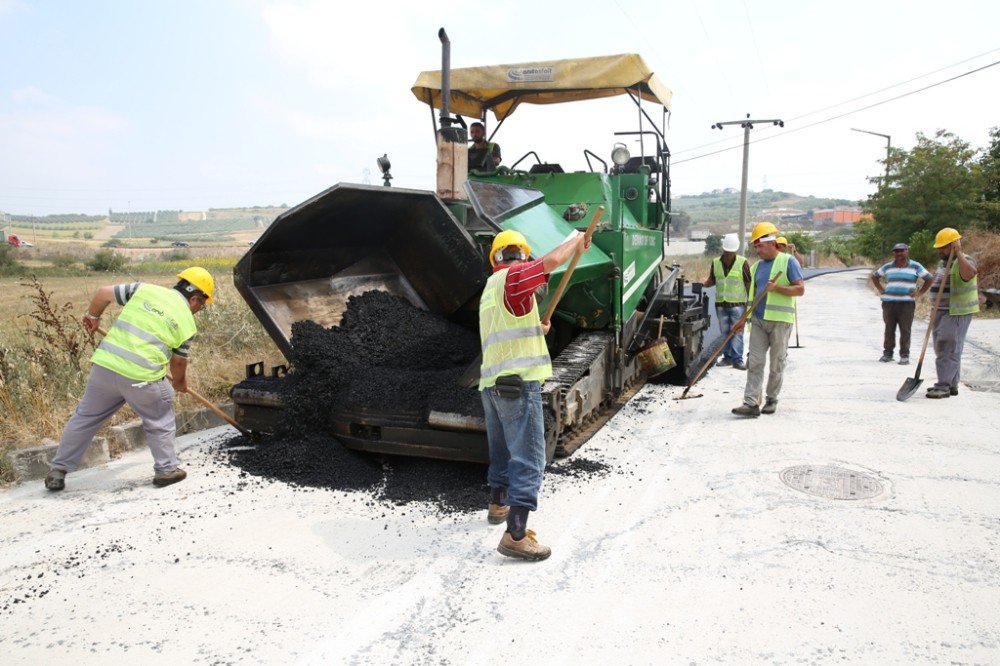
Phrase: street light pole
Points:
(888, 148)
(747, 125)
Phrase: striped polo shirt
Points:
(900, 281)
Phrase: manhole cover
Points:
(831, 482)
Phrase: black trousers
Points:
(897, 313)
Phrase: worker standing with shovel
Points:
(515, 363)
(958, 301)
(772, 318)
(154, 330)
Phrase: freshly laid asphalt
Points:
(690, 549)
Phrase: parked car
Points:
(180, 244)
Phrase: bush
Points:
(112, 242)
(107, 261)
(922, 249)
(803, 243)
(88, 235)
(63, 261)
(8, 261)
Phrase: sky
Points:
(196, 104)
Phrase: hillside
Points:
(720, 206)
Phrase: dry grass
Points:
(41, 383)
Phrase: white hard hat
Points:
(730, 243)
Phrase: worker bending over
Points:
(154, 329)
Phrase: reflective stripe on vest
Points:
(155, 321)
(729, 288)
(511, 345)
(963, 296)
(777, 307)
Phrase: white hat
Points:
(730, 243)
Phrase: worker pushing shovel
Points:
(153, 331)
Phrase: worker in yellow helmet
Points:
(785, 246)
(959, 301)
(515, 364)
(153, 331)
(773, 319)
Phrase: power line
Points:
(715, 53)
(756, 48)
(842, 115)
(853, 99)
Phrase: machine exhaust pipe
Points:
(452, 142)
(445, 78)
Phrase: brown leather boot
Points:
(497, 513)
(527, 548)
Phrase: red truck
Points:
(13, 239)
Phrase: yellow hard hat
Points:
(781, 240)
(506, 239)
(199, 278)
(945, 237)
(762, 229)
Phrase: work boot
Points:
(937, 392)
(886, 358)
(497, 513)
(747, 410)
(739, 365)
(527, 548)
(904, 360)
(953, 390)
(770, 406)
(161, 479)
(724, 362)
(55, 479)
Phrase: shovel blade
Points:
(908, 388)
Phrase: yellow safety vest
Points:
(963, 297)
(511, 345)
(153, 323)
(729, 288)
(777, 307)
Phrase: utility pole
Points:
(888, 148)
(747, 125)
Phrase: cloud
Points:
(30, 94)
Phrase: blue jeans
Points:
(517, 443)
(728, 316)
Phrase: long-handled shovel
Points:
(737, 327)
(205, 401)
(795, 306)
(470, 377)
(911, 384)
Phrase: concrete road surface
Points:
(693, 549)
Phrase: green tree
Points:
(713, 244)
(937, 184)
(680, 221)
(989, 164)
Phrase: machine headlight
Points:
(620, 154)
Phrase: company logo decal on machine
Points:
(629, 274)
(527, 74)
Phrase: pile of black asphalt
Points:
(385, 355)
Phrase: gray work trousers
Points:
(106, 393)
(766, 336)
(949, 340)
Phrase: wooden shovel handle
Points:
(937, 303)
(572, 265)
(202, 399)
(732, 332)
